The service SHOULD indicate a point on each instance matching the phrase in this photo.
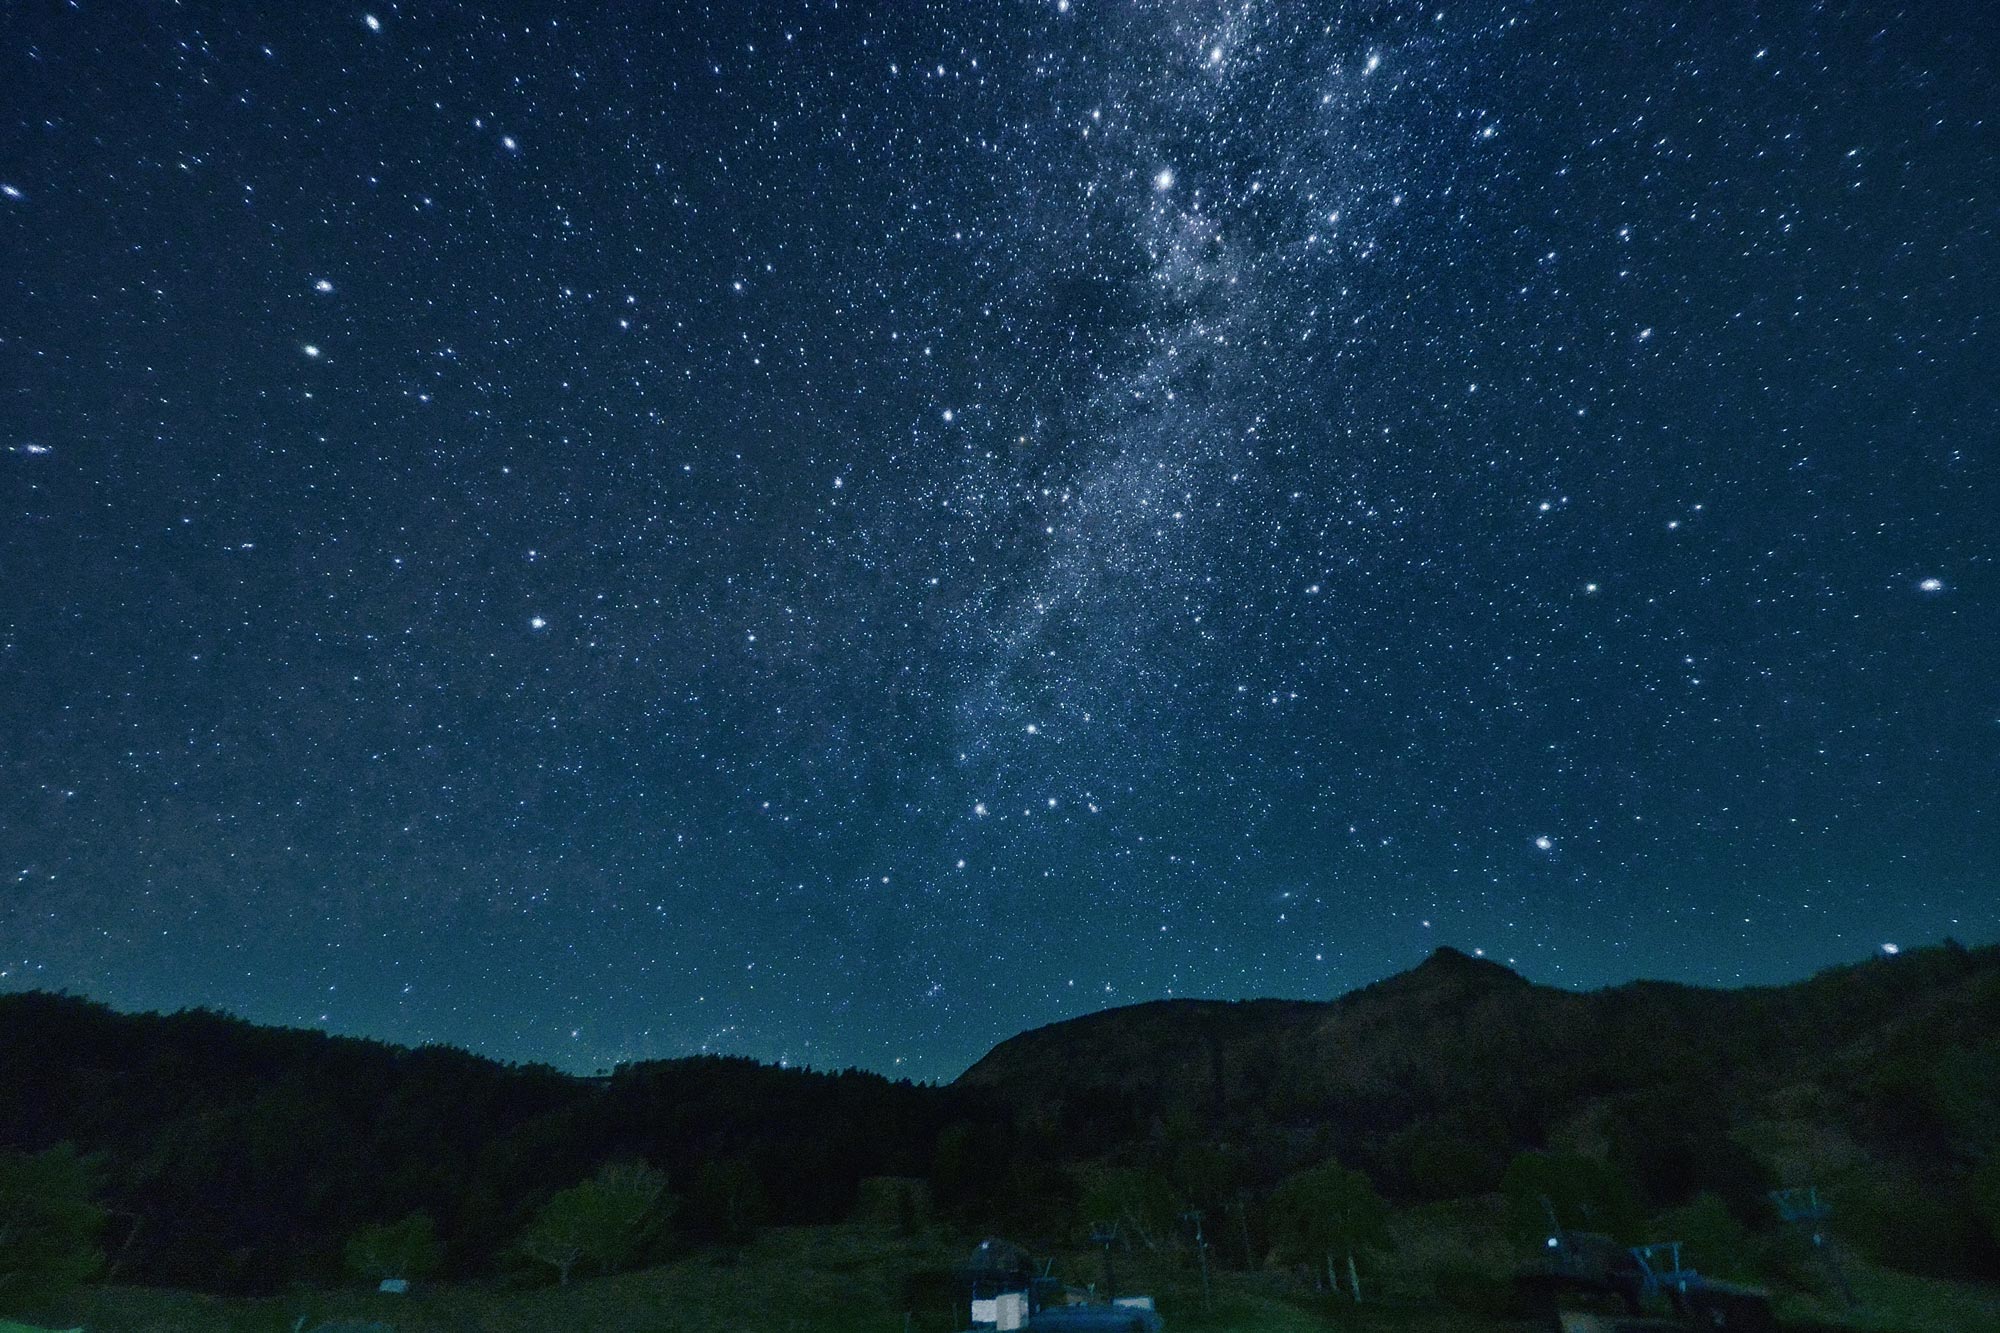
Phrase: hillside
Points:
(239, 1158)
(1886, 1072)
(1458, 1030)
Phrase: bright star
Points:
(374, 24)
(1165, 180)
(536, 622)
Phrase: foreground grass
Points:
(1891, 1302)
(832, 1279)
(804, 1280)
(852, 1280)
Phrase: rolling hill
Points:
(1881, 1079)
(237, 1157)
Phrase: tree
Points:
(726, 1202)
(1714, 1241)
(1328, 1211)
(1673, 1142)
(1586, 1194)
(1204, 1176)
(1985, 1189)
(1140, 1203)
(1447, 1156)
(49, 1221)
(968, 1169)
(601, 1221)
(405, 1249)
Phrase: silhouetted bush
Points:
(601, 1222)
(49, 1222)
(405, 1249)
(1586, 1194)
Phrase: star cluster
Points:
(838, 532)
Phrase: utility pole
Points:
(1804, 1207)
(1201, 1249)
(1106, 1234)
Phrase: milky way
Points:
(839, 533)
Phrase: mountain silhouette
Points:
(241, 1157)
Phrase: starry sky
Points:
(838, 532)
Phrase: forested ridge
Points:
(229, 1156)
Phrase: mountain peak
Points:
(1447, 963)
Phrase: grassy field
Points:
(1894, 1302)
(853, 1280)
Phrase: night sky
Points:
(837, 532)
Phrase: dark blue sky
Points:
(841, 532)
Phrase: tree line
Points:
(200, 1151)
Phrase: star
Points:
(1296, 407)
